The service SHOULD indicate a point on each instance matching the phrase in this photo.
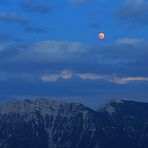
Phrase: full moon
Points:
(101, 36)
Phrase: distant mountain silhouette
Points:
(42, 123)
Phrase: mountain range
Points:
(42, 123)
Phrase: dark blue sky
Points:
(51, 48)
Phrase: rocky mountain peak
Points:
(110, 106)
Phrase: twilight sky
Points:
(50, 48)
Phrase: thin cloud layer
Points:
(130, 41)
(35, 7)
(135, 11)
(54, 51)
(13, 18)
(75, 56)
(65, 74)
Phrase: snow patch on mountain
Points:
(108, 106)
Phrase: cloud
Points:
(72, 53)
(54, 51)
(91, 76)
(76, 53)
(112, 78)
(35, 7)
(135, 11)
(36, 30)
(13, 18)
(130, 41)
(46, 56)
(64, 74)
(128, 79)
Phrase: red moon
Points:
(101, 36)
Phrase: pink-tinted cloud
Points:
(125, 80)
(65, 74)
(91, 76)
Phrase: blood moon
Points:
(101, 36)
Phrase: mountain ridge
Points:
(42, 123)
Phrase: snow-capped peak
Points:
(108, 106)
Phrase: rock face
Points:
(49, 124)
